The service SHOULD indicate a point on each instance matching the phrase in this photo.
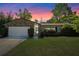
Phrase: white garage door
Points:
(18, 32)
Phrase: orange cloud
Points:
(42, 16)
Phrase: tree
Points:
(64, 14)
(76, 24)
(5, 19)
(68, 19)
(24, 14)
(2, 18)
(67, 26)
(52, 20)
(73, 20)
(61, 9)
(9, 17)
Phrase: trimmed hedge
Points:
(64, 32)
(47, 33)
(68, 32)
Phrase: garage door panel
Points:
(18, 32)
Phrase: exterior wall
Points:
(57, 27)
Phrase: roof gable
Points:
(20, 22)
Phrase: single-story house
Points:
(19, 28)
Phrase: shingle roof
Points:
(19, 22)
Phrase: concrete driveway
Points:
(6, 44)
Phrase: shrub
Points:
(76, 25)
(30, 32)
(68, 31)
(3, 31)
(65, 26)
(48, 33)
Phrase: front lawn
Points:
(48, 46)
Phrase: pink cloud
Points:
(38, 13)
(45, 16)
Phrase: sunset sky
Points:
(38, 10)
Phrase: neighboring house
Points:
(19, 28)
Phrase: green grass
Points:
(48, 46)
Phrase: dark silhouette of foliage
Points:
(24, 14)
(3, 20)
(60, 10)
